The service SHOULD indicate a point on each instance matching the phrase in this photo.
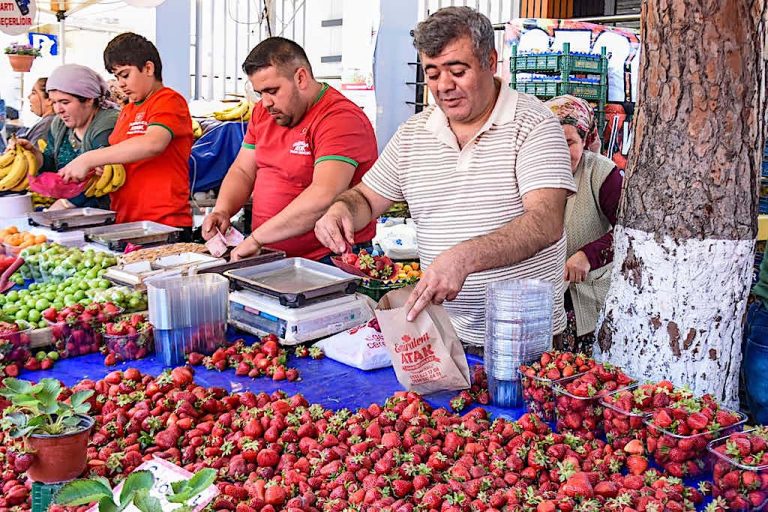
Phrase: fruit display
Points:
(14, 241)
(577, 400)
(540, 377)
(127, 340)
(240, 112)
(476, 394)
(625, 411)
(678, 434)
(197, 129)
(14, 343)
(265, 358)
(377, 267)
(740, 473)
(111, 179)
(41, 201)
(276, 452)
(76, 329)
(46, 262)
(15, 166)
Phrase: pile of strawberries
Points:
(265, 358)
(539, 378)
(76, 329)
(678, 434)
(477, 393)
(577, 401)
(274, 452)
(738, 480)
(625, 411)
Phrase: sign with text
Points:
(17, 17)
(48, 44)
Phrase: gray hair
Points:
(432, 35)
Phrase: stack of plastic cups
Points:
(518, 329)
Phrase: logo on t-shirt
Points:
(300, 147)
(138, 126)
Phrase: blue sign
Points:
(46, 43)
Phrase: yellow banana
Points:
(105, 178)
(23, 185)
(90, 191)
(104, 191)
(118, 176)
(7, 158)
(16, 174)
(31, 162)
(238, 112)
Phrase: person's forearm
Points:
(234, 192)
(358, 206)
(297, 218)
(126, 152)
(512, 243)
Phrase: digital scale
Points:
(261, 314)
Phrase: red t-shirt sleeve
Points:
(249, 141)
(346, 136)
(172, 113)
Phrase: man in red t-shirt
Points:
(152, 139)
(306, 144)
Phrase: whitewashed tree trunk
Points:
(684, 242)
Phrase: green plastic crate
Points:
(42, 495)
(593, 92)
(564, 63)
(376, 289)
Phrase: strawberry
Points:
(637, 464)
(274, 495)
(578, 485)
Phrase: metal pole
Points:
(62, 39)
(198, 39)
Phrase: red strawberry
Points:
(274, 495)
(578, 485)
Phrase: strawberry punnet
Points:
(539, 378)
(740, 473)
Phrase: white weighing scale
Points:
(261, 314)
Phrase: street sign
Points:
(48, 44)
(17, 17)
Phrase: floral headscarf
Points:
(575, 112)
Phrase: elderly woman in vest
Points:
(589, 218)
(85, 119)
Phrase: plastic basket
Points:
(539, 394)
(589, 410)
(376, 289)
(751, 498)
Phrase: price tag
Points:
(165, 473)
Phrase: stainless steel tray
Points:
(265, 256)
(117, 236)
(61, 220)
(294, 281)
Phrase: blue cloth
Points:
(213, 153)
(754, 366)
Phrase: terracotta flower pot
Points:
(21, 63)
(59, 458)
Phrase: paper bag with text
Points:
(426, 353)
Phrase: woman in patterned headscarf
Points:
(85, 119)
(589, 218)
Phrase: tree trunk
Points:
(684, 243)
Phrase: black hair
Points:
(40, 83)
(129, 49)
(278, 52)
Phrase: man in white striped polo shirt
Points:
(485, 173)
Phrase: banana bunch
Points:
(197, 130)
(110, 180)
(240, 112)
(39, 200)
(15, 167)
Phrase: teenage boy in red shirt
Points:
(306, 143)
(152, 139)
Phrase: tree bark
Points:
(688, 217)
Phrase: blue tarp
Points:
(213, 153)
(329, 383)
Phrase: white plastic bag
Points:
(360, 347)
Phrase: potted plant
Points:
(136, 491)
(21, 56)
(55, 431)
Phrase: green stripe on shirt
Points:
(249, 146)
(161, 124)
(337, 157)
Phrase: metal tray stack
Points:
(75, 218)
(295, 282)
(118, 236)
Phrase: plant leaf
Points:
(22, 432)
(179, 486)
(147, 503)
(78, 398)
(199, 482)
(107, 504)
(82, 492)
(135, 481)
(15, 386)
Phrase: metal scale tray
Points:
(117, 236)
(74, 218)
(294, 281)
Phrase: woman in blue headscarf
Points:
(85, 119)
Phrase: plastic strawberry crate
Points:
(581, 415)
(685, 456)
(129, 347)
(743, 487)
(622, 426)
(539, 394)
